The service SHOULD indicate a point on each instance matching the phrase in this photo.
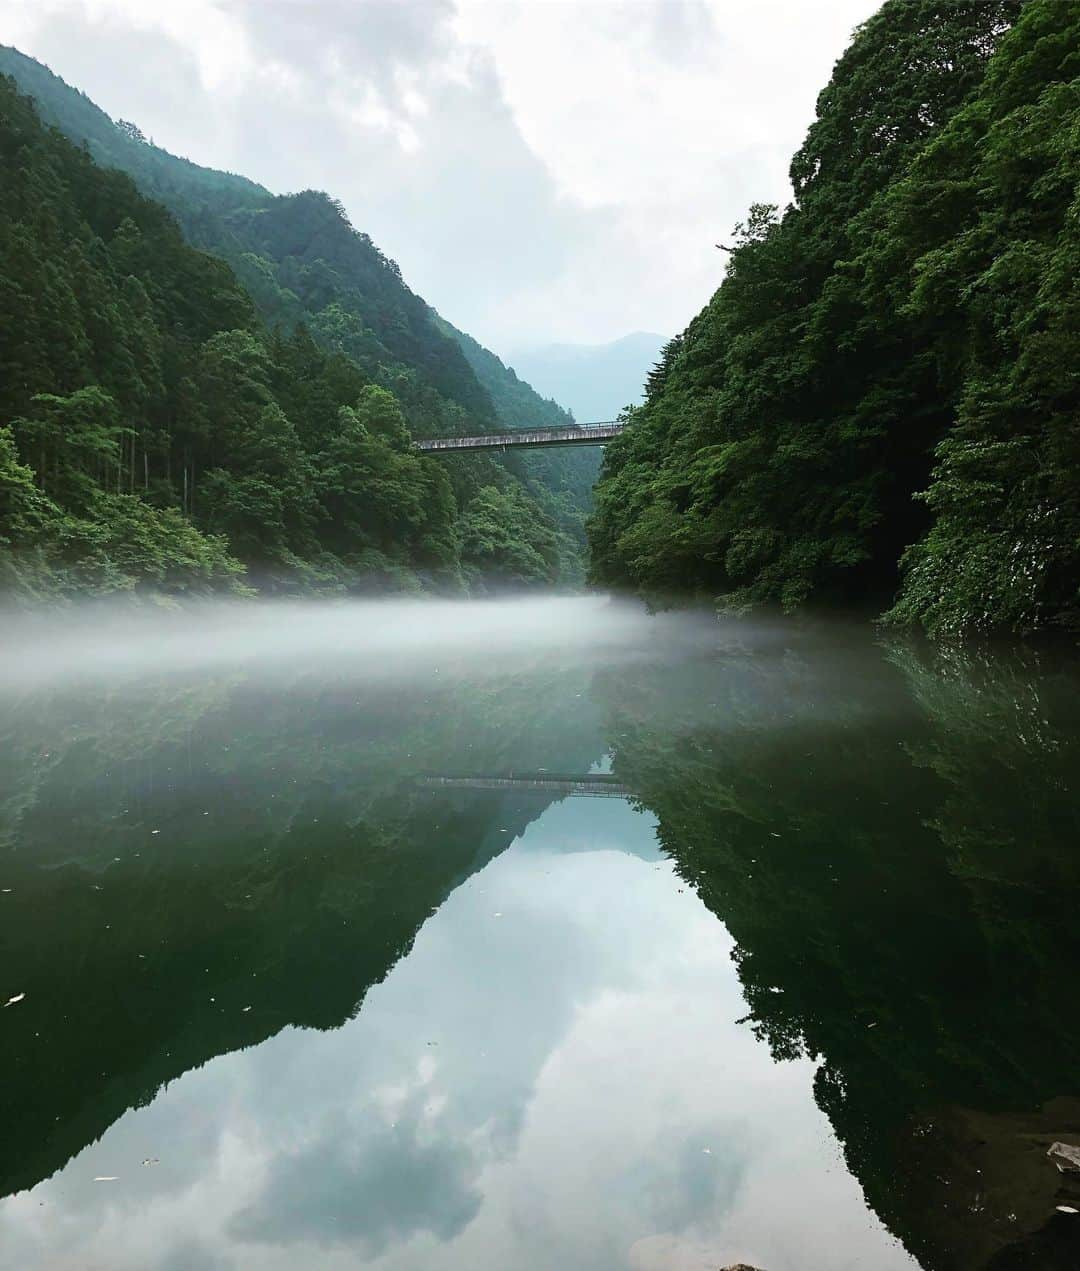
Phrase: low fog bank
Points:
(376, 638)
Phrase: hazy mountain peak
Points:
(595, 381)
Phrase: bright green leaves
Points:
(24, 510)
(504, 543)
(1004, 549)
(378, 493)
(119, 543)
(893, 362)
(73, 443)
(126, 545)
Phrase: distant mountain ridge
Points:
(595, 381)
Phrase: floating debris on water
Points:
(1066, 1156)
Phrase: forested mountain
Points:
(354, 356)
(296, 254)
(568, 475)
(881, 400)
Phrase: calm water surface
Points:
(533, 935)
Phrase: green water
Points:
(802, 995)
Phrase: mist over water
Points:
(369, 638)
(726, 941)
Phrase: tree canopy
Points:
(164, 428)
(879, 404)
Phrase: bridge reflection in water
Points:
(575, 435)
(593, 785)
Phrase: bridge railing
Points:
(568, 435)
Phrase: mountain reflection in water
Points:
(803, 999)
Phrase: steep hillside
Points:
(153, 435)
(516, 403)
(304, 265)
(297, 254)
(883, 392)
(562, 480)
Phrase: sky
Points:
(543, 171)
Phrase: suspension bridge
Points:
(573, 435)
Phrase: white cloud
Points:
(543, 170)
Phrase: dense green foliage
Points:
(560, 480)
(887, 378)
(296, 254)
(155, 433)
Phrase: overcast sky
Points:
(542, 170)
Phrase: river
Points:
(533, 934)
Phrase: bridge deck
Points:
(578, 435)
